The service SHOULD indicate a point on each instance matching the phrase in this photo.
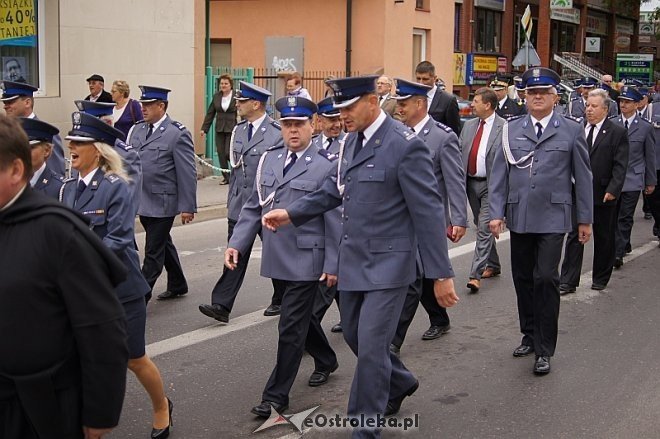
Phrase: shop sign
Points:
(561, 4)
(480, 68)
(646, 28)
(460, 68)
(596, 24)
(626, 27)
(592, 44)
(634, 66)
(502, 64)
(497, 5)
(600, 4)
(567, 15)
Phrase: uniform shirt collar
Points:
(371, 129)
(629, 119)
(37, 174)
(502, 101)
(157, 124)
(32, 115)
(257, 123)
(87, 179)
(544, 122)
(431, 93)
(299, 153)
(420, 126)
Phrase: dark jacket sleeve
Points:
(210, 114)
(619, 164)
(452, 118)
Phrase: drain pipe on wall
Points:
(349, 29)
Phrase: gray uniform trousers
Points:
(485, 252)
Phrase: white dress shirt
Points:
(544, 122)
(37, 174)
(587, 128)
(483, 145)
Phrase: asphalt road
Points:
(604, 381)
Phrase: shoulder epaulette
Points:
(123, 145)
(613, 117)
(328, 155)
(404, 131)
(179, 125)
(316, 136)
(112, 178)
(276, 146)
(241, 122)
(444, 127)
(276, 124)
(573, 118)
(512, 118)
(576, 98)
(644, 119)
(138, 122)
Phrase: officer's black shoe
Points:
(396, 350)
(523, 350)
(320, 377)
(263, 410)
(435, 331)
(393, 405)
(273, 310)
(648, 215)
(170, 295)
(542, 365)
(598, 287)
(217, 312)
(336, 328)
(566, 289)
(618, 262)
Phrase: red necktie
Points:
(472, 159)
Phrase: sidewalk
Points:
(211, 202)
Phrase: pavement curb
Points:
(205, 213)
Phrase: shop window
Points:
(424, 5)
(21, 26)
(489, 26)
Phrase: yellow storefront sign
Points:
(17, 19)
(484, 64)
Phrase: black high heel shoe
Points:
(164, 433)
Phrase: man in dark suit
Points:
(479, 140)
(96, 91)
(608, 154)
(391, 208)
(506, 107)
(442, 106)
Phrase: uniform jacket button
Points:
(348, 178)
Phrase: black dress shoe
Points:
(217, 312)
(170, 295)
(435, 331)
(320, 377)
(336, 328)
(618, 262)
(393, 405)
(163, 433)
(648, 215)
(542, 365)
(598, 287)
(523, 350)
(566, 289)
(396, 350)
(273, 310)
(263, 410)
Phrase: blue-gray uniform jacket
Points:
(106, 202)
(537, 198)
(656, 131)
(334, 147)
(49, 183)
(448, 169)
(641, 154)
(291, 253)
(648, 112)
(245, 157)
(391, 208)
(133, 166)
(169, 174)
(56, 160)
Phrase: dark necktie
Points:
(358, 144)
(330, 139)
(539, 130)
(250, 126)
(472, 158)
(380, 100)
(626, 123)
(292, 160)
(149, 133)
(590, 137)
(80, 190)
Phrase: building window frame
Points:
(423, 36)
(488, 38)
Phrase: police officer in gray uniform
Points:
(654, 198)
(298, 256)
(448, 169)
(250, 138)
(41, 135)
(641, 175)
(169, 187)
(18, 99)
(391, 208)
(530, 185)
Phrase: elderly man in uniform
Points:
(448, 169)
(506, 107)
(608, 155)
(332, 132)
(480, 139)
(392, 209)
(18, 100)
(64, 354)
(169, 187)
(640, 175)
(250, 139)
(299, 256)
(41, 135)
(530, 185)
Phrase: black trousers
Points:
(419, 291)
(159, 252)
(297, 331)
(226, 289)
(627, 204)
(222, 148)
(604, 228)
(654, 206)
(535, 269)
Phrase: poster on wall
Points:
(14, 68)
(460, 68)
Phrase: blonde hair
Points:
(122, 87)
(110, 161)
